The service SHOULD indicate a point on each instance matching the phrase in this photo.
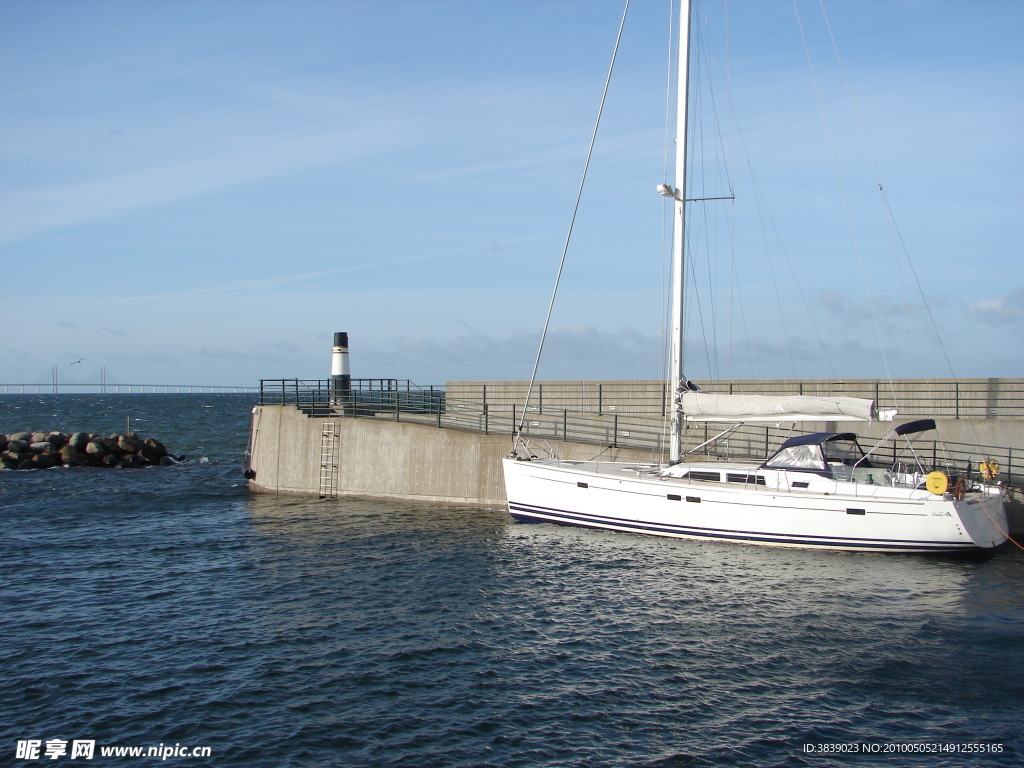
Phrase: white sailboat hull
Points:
(628, 497)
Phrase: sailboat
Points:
(819, 490)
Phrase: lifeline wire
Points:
(572, 223)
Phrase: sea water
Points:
(167, 607)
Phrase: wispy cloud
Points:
(278, 129)
(1001, 310)
(571, 352)
(272, 354)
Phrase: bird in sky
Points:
(78, 361)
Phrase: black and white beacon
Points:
(341, 376)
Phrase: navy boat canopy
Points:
(817, 438)
(921, 425)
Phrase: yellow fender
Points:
(936, 483)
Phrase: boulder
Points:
(79, 440)
(95, 449)
(25, 437)
(27, 464)
(148, 455)
(130, 444)
(167, 461)
(111, 446)
(58, 439)
(17, 446)
(70, 454)
(156, 446)
(110, 460)
(39, 446)
(8, 462)
(38, 437)
(3, 443)
(43, 461)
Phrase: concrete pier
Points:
(451, 455)
(386, 459)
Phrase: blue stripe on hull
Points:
(534, 514)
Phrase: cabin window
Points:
(755, 479)
(712, 476)
(798, 457)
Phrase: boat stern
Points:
(983, 518)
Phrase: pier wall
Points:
(387, 459)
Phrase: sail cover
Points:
(704, 406)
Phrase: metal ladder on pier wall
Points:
(330, 436)
(250, 447)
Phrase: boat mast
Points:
(676, 379)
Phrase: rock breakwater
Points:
(44, 450)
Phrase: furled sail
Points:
(705, 406)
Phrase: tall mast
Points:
(676, 380)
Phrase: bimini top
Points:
(814, 453)
(817, 438)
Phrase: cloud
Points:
(272, 354)
(62, 323)
(570, 352)
(888, 311)
(1001, 310)
(274, 131)
(158, 358)
(119, 332)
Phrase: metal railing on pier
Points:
(366, 397)
(402, 400)
(995, 398)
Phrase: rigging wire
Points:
(568, 237)
(764, 210)
(731, 156)
(759, 193)
(893, 225)
(665, 228)
(881, 191)
(846, 202)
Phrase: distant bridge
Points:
(70, 388)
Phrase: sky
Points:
(203, 191)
